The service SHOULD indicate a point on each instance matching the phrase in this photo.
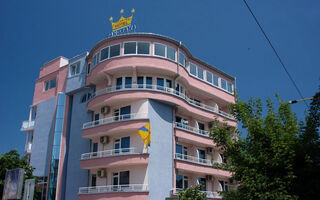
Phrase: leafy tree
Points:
(12, 160)
(192, 193)
(307, 162)
(263, 160)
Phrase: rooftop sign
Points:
(123, 25)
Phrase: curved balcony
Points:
(113, 158)
(166, 90)
(198, 165)
(128, 192)
(112, 125)
(193, 135)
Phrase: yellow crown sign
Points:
(122, 22)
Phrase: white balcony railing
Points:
(115, 119)
(111, 152)
(114, 188)
(210, 194)
(27, 147)
(193, 159)
(192, 129)
(166, 90)
(27, 125)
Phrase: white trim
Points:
(136, 54)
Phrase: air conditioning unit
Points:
(105, 110)
(209, 150)
(208, 177)
(170, 90)
(101, 173)
(104, 139)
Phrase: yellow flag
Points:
(145, 134)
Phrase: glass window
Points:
(140, 81)
(149, 82)
(75, 69)
(224, 186)
(229, 87)
(202, 182)
(93, 180)
(182, 59)
(160, 83)
(130, 48)
(193, 69)
(125, 112)
(128, 82)
(50, 84)
(159, 50)
(104, 54)
(115, 50)
(200, 73)
(95, 147)
(88, 68)
(84, 98)
(171, 53)
(215, 80)
(124, 178)
(125, 144)
(209, 77)
(95, 60)
(179, 181)
(200, 127)
(201, 155)
(223, 84)
(185, 182)
(119, 83)
(96, 118)
(168, 83)
(143, 48)
(115, 180)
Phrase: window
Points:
(215, 80)
(201, 155)
(75, 69)
(159, 49)
(160, 83)
(196, 71)
(224, 186)
(182, 181)
(128, 82)
(119, 83)
(95, 60)
(140, 81)
(182, 59)
(104, 54)
(171, 53)
(115, 50)
(202, 182)
(149, 82)
(223, 84)
(122, 145)
(181, 152)
(88, 68)
(93, 180)
(200, 127)
(95, 147)
(130, 48)
(33, 112)
(121, 178)
(96, 118)
(50, 84)
(85, 97)
(209, 77)
(122, 113)
(229, 87)
(143, 48)
(168, 83)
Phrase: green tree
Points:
(263, 160)
(307, 162)
(12, 160)
(192, 193)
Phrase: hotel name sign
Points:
(123, 25)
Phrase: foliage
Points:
(192, 193)
(307, 162)
(223, 166)
(263, 160)
(12, 160)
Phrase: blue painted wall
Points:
(77, 81)
(40, 156)
(160, 168)
(76, 177)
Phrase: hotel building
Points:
(82, 128)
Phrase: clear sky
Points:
(222, 33)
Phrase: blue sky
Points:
(221, 33)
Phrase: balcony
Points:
(210, 194)
(198, 165)
(166, 90)
(113, 158)
(128, 192)
(27, 125)
(114, 188)
(27, 147)
(118, 118)
(192, 129)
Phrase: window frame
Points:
(49, 84)
(184, 60)
(136, 54)
(110, 51)
(77, 66)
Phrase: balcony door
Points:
(120, 180)
(122, 145)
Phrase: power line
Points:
(275, 52)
